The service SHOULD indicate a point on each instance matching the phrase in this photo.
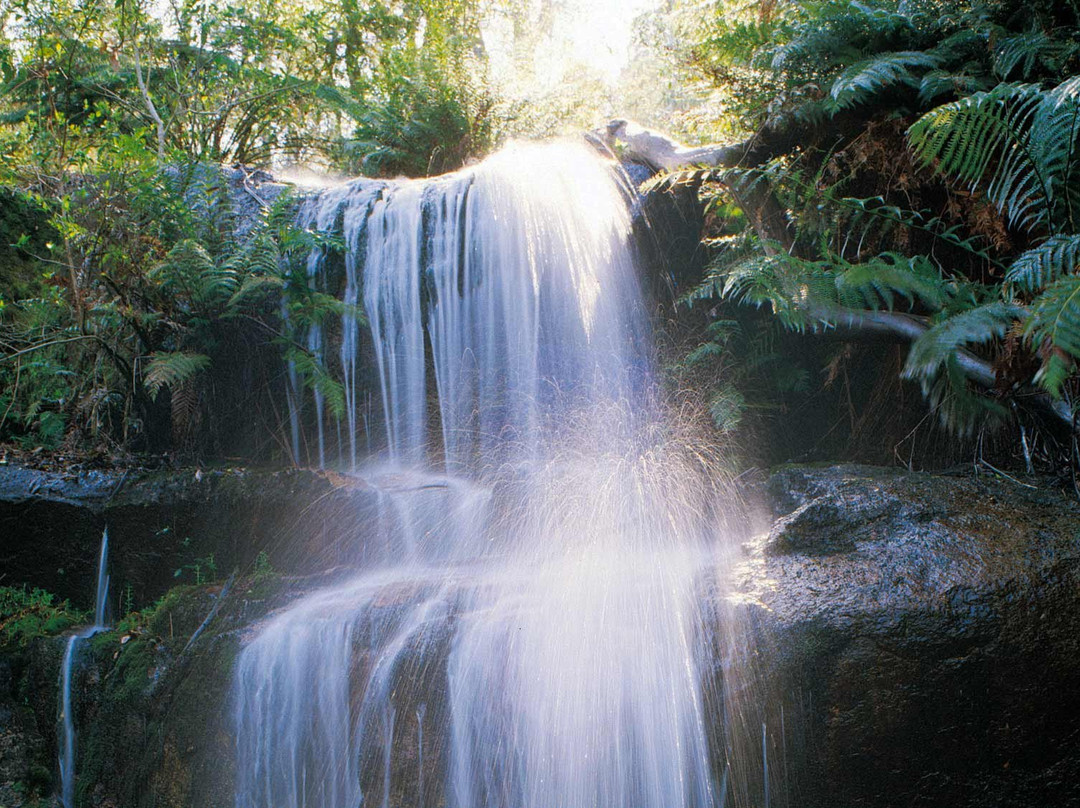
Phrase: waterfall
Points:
(528, 631)
(65, 715)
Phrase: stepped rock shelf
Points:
(916, 638)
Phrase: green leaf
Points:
(877, 283)
(726, 407)
(1018, 142)
(940, 343)
(316, 377)
(1055, 321)
(863, 80)
(170, 369)
(1042, 265)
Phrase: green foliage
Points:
(127, 269)
(1021, 142)
(1033, 52)
(744, 373)
(939, 344)
(869, 220)
(1035, 269)
(805, 294)
(316, 377)
(422, 122)
(869, 77)
(965, 220)
(202, 570)
(172, 369)
(263, 568)
(29, 613)
(1055, 323)
(1016, 141)
(726, 407)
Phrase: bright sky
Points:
(596, 33)
(600, 31)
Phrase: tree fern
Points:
(1032, 52)
(728, 252)
(727, 405)
(172, 369)
(938, 83)
(1054, 325)
(863, 80)
(841, 33)
(867, 215)
(877, 284)
(804, 294)
(960, 407)
(1017, 141)
(254, 284)
(316, 377)
(1054, 143)
(933, 362)
(189, 271)
(784, 282)
(984, 136)
(940, 343)
(1038, 267)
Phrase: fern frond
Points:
(788, 284)
(1055, 324)
(1054, 137)
(798, 291)
(865, 79)
(189, 270)
(730, 250)
(932, 361)
(938, 83)
(876, 284)
(727, 407)
(959, 407)
(987, 139)
(865, 212)
(172, 369)
(316, 377)
(1032, 52)
(704, 352)
(1019, 142)
(1038, 267)
(254, 284)
(938, 345)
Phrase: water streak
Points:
(65, 716)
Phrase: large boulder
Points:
(926, 632)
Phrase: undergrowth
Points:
(28, 613)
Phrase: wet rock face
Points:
(909, 639)
(172, 526)
(933, 626)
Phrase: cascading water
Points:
(65, 715)
(528, 633)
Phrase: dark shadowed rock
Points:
(933, 625)
(165, 526)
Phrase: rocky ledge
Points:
(904, 639)
(172, 526)
(925, 633)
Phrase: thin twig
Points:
(1005, 475)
